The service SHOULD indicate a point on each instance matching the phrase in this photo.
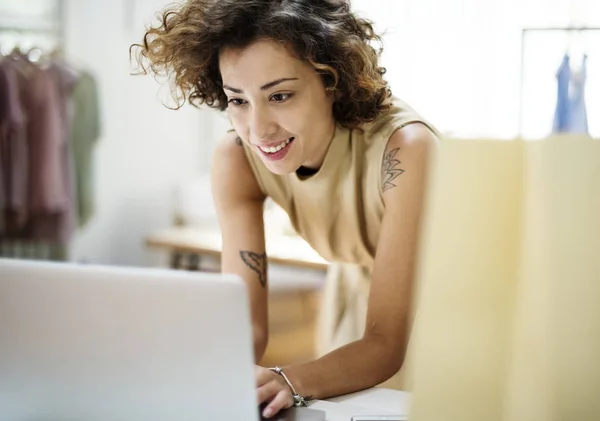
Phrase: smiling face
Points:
(277, 104)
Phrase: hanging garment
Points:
(85, 131)
(49, 193)
(13, 152)
(58, 227)
(570, 115)
(36, 175)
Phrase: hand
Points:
(272, 388)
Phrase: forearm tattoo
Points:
(238, 141)
(390, 170)
(258, 263)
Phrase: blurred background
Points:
(128, 184)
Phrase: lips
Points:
(275, 147)
(276, 151)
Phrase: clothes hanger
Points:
(35, 54)
(569, 43)
(577, 51)
(7, 43)
(16, 52)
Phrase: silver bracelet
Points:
(298, 400)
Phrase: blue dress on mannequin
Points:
(571, 115)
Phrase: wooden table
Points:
(293, 303)
(193, 243)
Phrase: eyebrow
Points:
(264, 87)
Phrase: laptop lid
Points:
(123, 344)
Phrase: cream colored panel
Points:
(468, 278)
(508, 322)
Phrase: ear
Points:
(330, 94)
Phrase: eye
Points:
(237, 101)
(281, 97)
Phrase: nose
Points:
(262, 123)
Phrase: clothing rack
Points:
(524, 33)
(55, 27)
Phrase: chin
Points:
(280, 168)
(287, 165)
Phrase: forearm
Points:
(356, 366)
(261, 339)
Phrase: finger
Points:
(267, 392)
(283, 400)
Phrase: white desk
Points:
(376, 401)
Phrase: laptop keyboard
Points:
(281, 416)
(295, 414)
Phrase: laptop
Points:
(99, 343)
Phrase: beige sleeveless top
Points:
(339, 210)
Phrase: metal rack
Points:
(54, 28)
(524, 33)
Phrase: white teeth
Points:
(277, 148)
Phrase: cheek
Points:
(238, 122)
(291, 120)
(319, 116)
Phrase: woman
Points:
(316, 129)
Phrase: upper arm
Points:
(404, 173)
(239, 203)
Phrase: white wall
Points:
(458, 62)
(145, 149)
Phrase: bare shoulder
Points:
(406, 156)
(415, 138)
(415, 133)
(232, 176)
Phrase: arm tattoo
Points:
(258, 263)
(390, 169)
(238, 141)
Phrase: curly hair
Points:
(185, 47)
